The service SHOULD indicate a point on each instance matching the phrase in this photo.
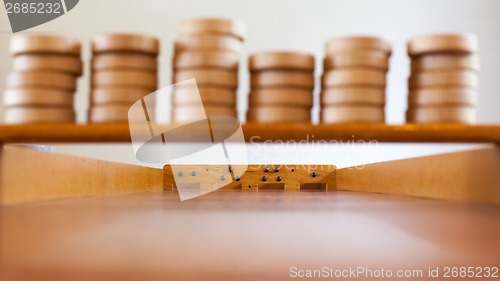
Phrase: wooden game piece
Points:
(354, 77)
(281, 96)
(207, 95)
(442, 96)
(437, 43)
(459, 78)
(116, 113)
(357, 59)
(37, 97)
(207, 42)
(117, 95)
(345, 44)
(43, 43)
(55, 80)
(281, 60)
(190, 113)
(215, 26)
(275, 78)
(118, 42)
(353, 95)
(352, 114)
(208, 77)
(124, 61)
(28, 115)
(113, 78)
(446, 61)
(442, 114)
(223, 60)
(276, 114)
(47, 62)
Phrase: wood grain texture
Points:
(30, 175)
(470, 176)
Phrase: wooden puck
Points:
(277, 114)
(458, 78)
(346, 44)
(276, 78)
(442, 96)
(30, 115)
(46, 62)
(281, 97)
(54, 80)
(37, 97)
(124, 61)
(117, 95)
(207, 95)
(207, 42)
(442, 114)
(191, 113)
(223, 60)
(215, 26)
(125, 43)
(43, 43)
(353, 95)
(354, 77)
(455, 61)
(208, 77)
(114, 78)
(352, 114)
(437, 43)
(355, 59)
(281, 60)
(116, 113)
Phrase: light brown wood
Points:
(354, 77)
(442, 114)
(451, 78)
(447, 61)
(122, 42)
(280, 79)
(116, 113)
(46, 62)
(352, 114)
(281, 96)
(124, 61)
(191, 113)
(215, 26)
(443, 96)
(30, 175)
(208, 77)
(218, 59)
(281, 60)
(470, 176)
(44, 43)
(345, 44)
(353, 95)
(37, 97)
(118, 95)
(435, 43)
(357, 59)
(207, 95)
(55, 80)
(130, 78)
(207, 42)
(278, 113)
(39, 114)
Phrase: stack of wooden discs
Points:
(281, 87)
(444, 79)
(41, 87)
(124, 69)
(354, 79)
(208, 50)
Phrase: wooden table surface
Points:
(234, 235)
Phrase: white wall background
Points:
(302, 25)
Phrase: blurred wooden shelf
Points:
(94, 133)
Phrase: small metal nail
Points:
(193, 173)
(264, 178)
(278, 178)
(181, 174)
(276, 169)
(222, 178)
(266, 169)
(313, 174)
(230, 169)
(237, 178)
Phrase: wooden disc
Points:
(114, 78)
(346, 44)
(207, 42)
(277, 114)
(208, 77)
(442, 114)
(215, 26)
(116, 113)
(209, 96)
(54, 80)
(281, 60)
(281, 97)
(455, 61)
(124, 61)
(46, 62)
(352, 114)
(436, 43)
(365, 58)
(30, 115)
(223, 60)
(117, 95)
(125, 43)
(37, 97)
(442, 96)
(191, 113)
(353, 95)
(458, 78)
(43, 43)
(354, 77)
(276, 78)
